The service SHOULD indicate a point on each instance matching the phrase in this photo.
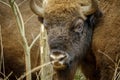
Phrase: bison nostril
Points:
(63, 57)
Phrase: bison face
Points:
(69, 33)
(68, 40)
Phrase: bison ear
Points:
(78, 25)
(93, 19)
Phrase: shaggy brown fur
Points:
(106, 38)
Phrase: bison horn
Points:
(89, 7)
(36, 9)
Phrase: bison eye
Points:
(78, 26)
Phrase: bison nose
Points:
(58, 55)
(58, 59)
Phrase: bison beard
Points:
(79, 54)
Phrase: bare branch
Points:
(2, 55)
(33, 70)
(21, 27)
(33, 42)
(22, 3)
(7, 77)
(29, 18)
(107, 56)
(1, 1)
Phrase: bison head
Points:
(68, 29)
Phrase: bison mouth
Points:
(57, 65)
(60, 59)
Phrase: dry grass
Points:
(116, 63)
